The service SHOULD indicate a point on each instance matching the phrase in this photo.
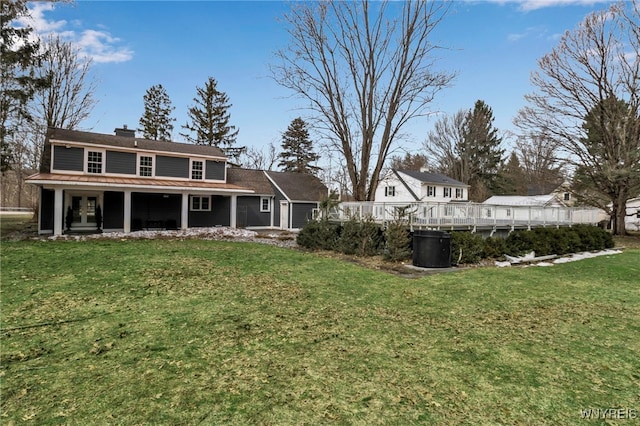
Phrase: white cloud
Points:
(537, 32)
(99, 45)
(529, 5)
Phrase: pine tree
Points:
(511, 179)
(479, 152)
(209, 118)
(156, 120)
(18, 56)
(297, 150)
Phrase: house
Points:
(410, 186)
(123, 183)
(632, 219)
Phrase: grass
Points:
(205, 332)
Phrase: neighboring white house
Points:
(632, 221)
(410, 186)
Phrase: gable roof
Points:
(436, 178)
(64, 135)
(298, 186)
(252, 179)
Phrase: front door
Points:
(84, 211)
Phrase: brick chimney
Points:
(127, 133)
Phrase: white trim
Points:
(133, 149)
(200, 197)
(276, 185)
(262, 209)
(203, 170)
(138, 165)
(48, 184)
(103, 161)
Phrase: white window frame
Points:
(153, 160)
(389, 191)
(508, 212)
(448, 209)
(446, 192)
(567, 196)
(262, 207)
(191, 169)
(431, 191)
(103, 156)
(195, 204)
(459, 193)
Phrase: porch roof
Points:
(111, 182)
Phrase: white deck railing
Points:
(469, 215)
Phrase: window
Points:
(197, 168)
(390, 191)
(199, 203)
(638, 214)
(265, 204)
(567, 196)
(94, 162)
(448, 210)
(447, 193)
(146, 166)
(488, 212)
(508, 212)
(459, 193)
(431, 191)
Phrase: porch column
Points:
(184, 211)
(234, 211)
(127, 211)
(58, 210)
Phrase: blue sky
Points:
(493, 46)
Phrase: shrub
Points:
(397, 242)
(519, 243)
(466, 247)
(360, 237)
(494, 247)
(319, 235)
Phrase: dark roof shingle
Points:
(299, 186)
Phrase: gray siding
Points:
(172, 166)
(121, 162)
(220, 214)
(147, 208)
(249, 213)
(68, 158)
(215, 170)
(301, 214)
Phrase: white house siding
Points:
(417, 190)
(401, 193)
(632, 221)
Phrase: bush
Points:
(466, 247)
(319, 235)
(545, 241)
(519, 243)
(397, 242)
(494, 247)
(363, 238)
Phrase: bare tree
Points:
(587, 73)
(67, 100)
(260, 159)
(538, 157)
(366, 69)
(448, 133)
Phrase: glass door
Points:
(84, 211)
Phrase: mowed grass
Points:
(205, 332)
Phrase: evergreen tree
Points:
(18, 55)
(209, 118)
(479, 152)
(511, 179)
(297, 150)
(156, 120)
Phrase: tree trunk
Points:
(619, 214)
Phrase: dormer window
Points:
(197, 170)
(94, 161)
(145, 167)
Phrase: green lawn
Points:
(205, 332)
